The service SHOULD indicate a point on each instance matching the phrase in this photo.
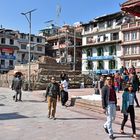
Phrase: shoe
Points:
(53, 118)
(20, 100)
(137, 105)
(106, 130)
(122, 132)
(48, 116)
(14, 97)
(111, 137)
(134, 136)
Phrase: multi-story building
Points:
(131, 44)
(101, 44)
(60, 45)
(37, 47)
(8, 49)
(14, 48)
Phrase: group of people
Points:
(109, 86)
(55, 92)
(109, 100)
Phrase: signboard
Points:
(7, 57)
(100, 58)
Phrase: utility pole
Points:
(58, 11)
(74, 57)
(29, 47)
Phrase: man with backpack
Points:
(52, 94)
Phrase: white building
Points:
(101, 45)
(14, 48)
(37, 47)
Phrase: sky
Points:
(72, 11)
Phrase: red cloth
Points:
(112, 94)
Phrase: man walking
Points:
(17, 85)
(109, 102)
(52, 93)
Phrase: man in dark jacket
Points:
(17, 85)
(109, 102)
(52, 93)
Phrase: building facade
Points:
(14, 48)
(37, 47)
(8, 49)
(60, 45)
(101, 44)
(131, 44)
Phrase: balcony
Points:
(129, 26)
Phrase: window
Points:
(112, 50)
(114, 36)
(2, 63)
(89, 52)
(39, 49)
(2, 40)
(32, 38)
(11, 54)
(112, 64)
(126, 36)
(2, 53)
(23, 36)
(89, 64)
(134, 49)
(32, 48)
(11, 42)
(134, 35)
(100, 52)
(127, 50)
(127, 64)
(134, 63)
(11, 63)
(101, 25)
(100, 64)
(23, 46)
(89, 40)
(87, 28)
(39, 40)
(109, 23)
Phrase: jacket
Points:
(125, 102)
(53, 90)
(16, 83)
(105, 96)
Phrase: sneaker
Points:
(137, 105)
(111, 137)
(134, 136)
(106, 130)
(122, 132)
(14, 97)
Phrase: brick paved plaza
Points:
(28, 120)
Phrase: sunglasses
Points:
(108, 79)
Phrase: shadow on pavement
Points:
(2, 105)
(9, 116)
(76, 118)
(33, 101)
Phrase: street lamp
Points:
(29, 49)
(74, 61)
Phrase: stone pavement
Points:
(28, 120)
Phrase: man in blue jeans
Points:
(109, 102)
